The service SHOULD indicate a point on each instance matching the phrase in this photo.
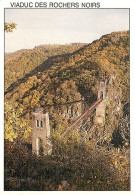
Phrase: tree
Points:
(15, 126)
(9, 27)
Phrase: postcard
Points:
(68, 79)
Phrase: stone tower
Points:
(100, 110)
(102, 90)
(41, 143)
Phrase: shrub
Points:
(71, 167)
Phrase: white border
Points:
(104, 4)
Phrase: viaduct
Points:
(41, 143)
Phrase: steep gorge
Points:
(62, 80)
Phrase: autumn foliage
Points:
(70, 167)
(58, 78)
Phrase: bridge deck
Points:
(84, 115)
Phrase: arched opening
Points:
(41, 124)
(101, 94)
(37, 123)
(72, 111)
(39, 146)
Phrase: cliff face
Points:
(61, 81)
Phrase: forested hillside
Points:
(55, 78)
(67, 78)
(23, 61)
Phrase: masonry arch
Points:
(101, 94)
(39, 146)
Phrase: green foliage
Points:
(9, 27)
(14, 125)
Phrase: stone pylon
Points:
(41, 143)
(100, 110)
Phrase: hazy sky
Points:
(57, 26)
